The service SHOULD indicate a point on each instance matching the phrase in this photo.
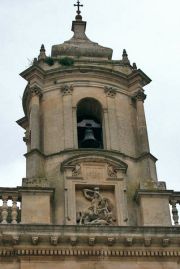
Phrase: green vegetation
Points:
(49, 61)
(66, 61)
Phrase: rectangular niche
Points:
(95, 204)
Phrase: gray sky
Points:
(148, 29)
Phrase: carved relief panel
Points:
(95, 205)
(95, 192)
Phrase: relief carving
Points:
(27, 137)
(100, 210)
(76, 171)
(112, 171)
(35, 90)
(110, 91)
(66, 89)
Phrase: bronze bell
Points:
(89, 140)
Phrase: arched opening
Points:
(89, 124)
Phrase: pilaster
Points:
(141, 122)
(112, 120)
(68, 116)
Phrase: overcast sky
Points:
(148, 29)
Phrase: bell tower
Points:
(91, 198)
(86, 136)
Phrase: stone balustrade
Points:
(174, 203)
(10, 209)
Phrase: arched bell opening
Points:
(89, 124)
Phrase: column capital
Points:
(140, 95)
(35, 91)
(66, 89)
(110, 91)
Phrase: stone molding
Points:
(152, 185)
(113, 163)
(35, 182)
(66, 89)
(131, 238)
(86, 252)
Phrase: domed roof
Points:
(80, 45)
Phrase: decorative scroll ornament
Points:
(27, 137)
(112, 171)
(100, 210)
(110, 91)
(66, 89)
(76, 170)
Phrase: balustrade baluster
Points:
(14, 212)
(175, 212)
(4, 209)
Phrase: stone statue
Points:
(100, 210)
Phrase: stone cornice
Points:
(25, 236)
(31, 70)
(100, 152)
(103, 152)
(152, 192)
(23, 122)
(138, 76)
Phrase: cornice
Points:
(32, 69)
(102, 152)
(138, 75)
(114, 238)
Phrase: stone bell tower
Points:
(91, 196)
(86, 129)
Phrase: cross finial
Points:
(78, 5)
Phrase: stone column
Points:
(112, 122)
(68, 116)
(75, 128)
(141, 122)
(106, 133)
(34, 118)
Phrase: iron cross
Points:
(78, 5)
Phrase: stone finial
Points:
(42, 54)
(125, 57)
(35, 61)
(134, 66)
